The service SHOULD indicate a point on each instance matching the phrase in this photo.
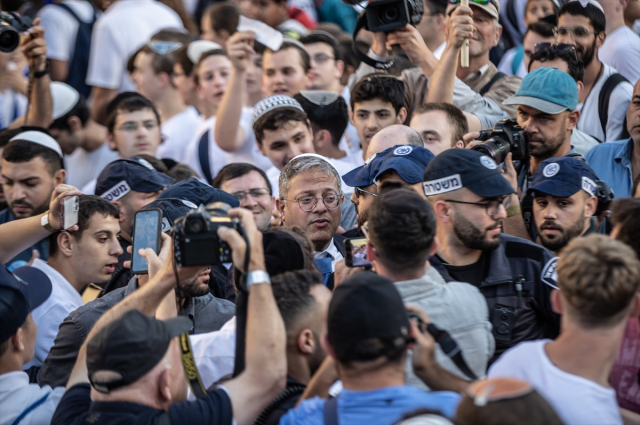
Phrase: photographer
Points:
(154, 388)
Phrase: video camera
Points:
(11, 25)
(506, 136)
(196, 241)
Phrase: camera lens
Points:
(389, 15)
(195, 225)
(9, 39)
(495, 149)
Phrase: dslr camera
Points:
(11, 25)
(196, 241)
(506, 136)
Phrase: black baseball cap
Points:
(130, 347)
(454, 169)
(193, 190)
(364, 307)
(124, 175)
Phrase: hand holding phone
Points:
(147, 230)
(70, 207)
(356, 252)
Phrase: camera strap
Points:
(362, 24)
(451, 349)
(190, 368)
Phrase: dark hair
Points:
(292, 292)
(19, 151)
(316, 37)
(79, 110)
(203, 57)
(223, 16)
(182, 59)
(346, 51)
(595, 15)
(333, 117)
(88, 206)
(402, 227)
(574, 63)
(161, 63)
(180, 172)
(457, 121)
(379, 86)
(156, 163)
(276, 119)
(6, 134)
(436, 7)
(305, 59)
(238, 169)
(625, 213)
(131, 104)
(542, 28)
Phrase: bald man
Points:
(393, 135)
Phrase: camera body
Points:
(605, 196)
(196, 241)
(506, 136)
(389, 15)
(11, 25)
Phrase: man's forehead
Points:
(102, 222)
(282, 58)
(314, 179)
(285, 131)
(373, 105)
(143, 114)
(251, 180)
(574, 20)
(36, 165)
(318, 45)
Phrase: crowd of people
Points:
(330, 225)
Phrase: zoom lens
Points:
(195, 225)
(9, 39)
(389, 15)
(495, 149)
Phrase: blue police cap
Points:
(124, 175)
(364, 175)
(407, 160)
(563, 177)
(193, 190)
(172, 209)
(454, 169)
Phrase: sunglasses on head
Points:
(557, 47)
(164, 47)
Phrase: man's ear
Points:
(164, 386)
(498, 35)
(59, 176)
(402, 115)
(74, 124)
(371, 253)
(118, 205)
(556, 301)
(280, 206)
(65, 243)
(590, 207)
(261, 147)
(572, 122)
(305, 342)
(459, 145)
(321, 139)
(339, 68)
(442, 211)
(600, 38)
(311, 77)
(111, 141)
(580, 85)
(17, 340)
(164, 79)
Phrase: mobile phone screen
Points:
(356, 252)
(146, 234)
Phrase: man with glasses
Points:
(606, 96)
(470, 198)
(251, 186)
(326, 64)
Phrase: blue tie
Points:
(324, 267)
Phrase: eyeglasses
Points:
(321, 58)
(358, 191)
(308, 203)
(491, 207)
(255, 194)
(561, 47)
(576, 32)
(133, 126)
(164, 47)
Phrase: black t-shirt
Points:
(76, 408)
(473, 273)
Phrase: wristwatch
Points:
(258, 276)
(44, 222)
(514, 210)
(45, 71)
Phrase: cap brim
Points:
(38, 285)
(491, 187)
(353, 179)
(490, 10)
(404, 174)
(534, 102)
(177, 325)
(553, 188)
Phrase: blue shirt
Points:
(384, 406)
(611, 162)
(23, 258)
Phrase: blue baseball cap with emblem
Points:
(199, 193)
(548, 90)
(124, 175)
(563, 177)
(454, 169)
(406, 160)
(172, 209)
(364, 175)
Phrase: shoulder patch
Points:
(549, 274)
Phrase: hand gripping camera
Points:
(11, 25)
(506, 136)
(196, 241)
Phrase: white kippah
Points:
(198, 47)
(315, 155)
(584, 3)
(64, 98)
(273, 102)
(41, 139)
(320, 97)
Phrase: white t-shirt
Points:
(12, 105)
(63, 300)
(440, 50)
(350, 141)
(178, 132)
(17, 394)
(621, 50)
(124, 28)
(83, 166)
(618, 103)
(506, 63)
(578, 401)
(61, 29)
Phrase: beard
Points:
(195, 287)
(472, 237)
(549, 147)
(557, 242)
(35, 210)
(587, 55)
(362, 217)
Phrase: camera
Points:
(506, 136)
(196, 240)
(389, 15)
(11, 25)
(605, 196)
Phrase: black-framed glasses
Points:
(321, 58)
(255, 194)
(308, 203)
(491, 207)
(560, 47)
(359, 190)
(576, 32)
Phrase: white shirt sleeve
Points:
(618, 104)
(59, 30)
(106, 60)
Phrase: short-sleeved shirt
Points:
(61, 29)
(611, 162)
(76, 408)
(177, 132)
(621, 50)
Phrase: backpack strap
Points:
(203, 156)
(517, 60)
(29, 409)
(75, 15)
(603, 103)
(330, 412)
(487, 87)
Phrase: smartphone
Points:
(70, 208)
(147, 228)
(356, 252)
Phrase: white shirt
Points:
(332, 252)
(17, 394)
(12, 105)
(125, 27)
(83, 166)
(440, 50)
(621, 50)
(90, 188)
(350, 141)
(582, 142)
(178, 132)
(273, 174)
(61, 29)
(63, 300)
(578, 401)
(618, 103)
(506, 63)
